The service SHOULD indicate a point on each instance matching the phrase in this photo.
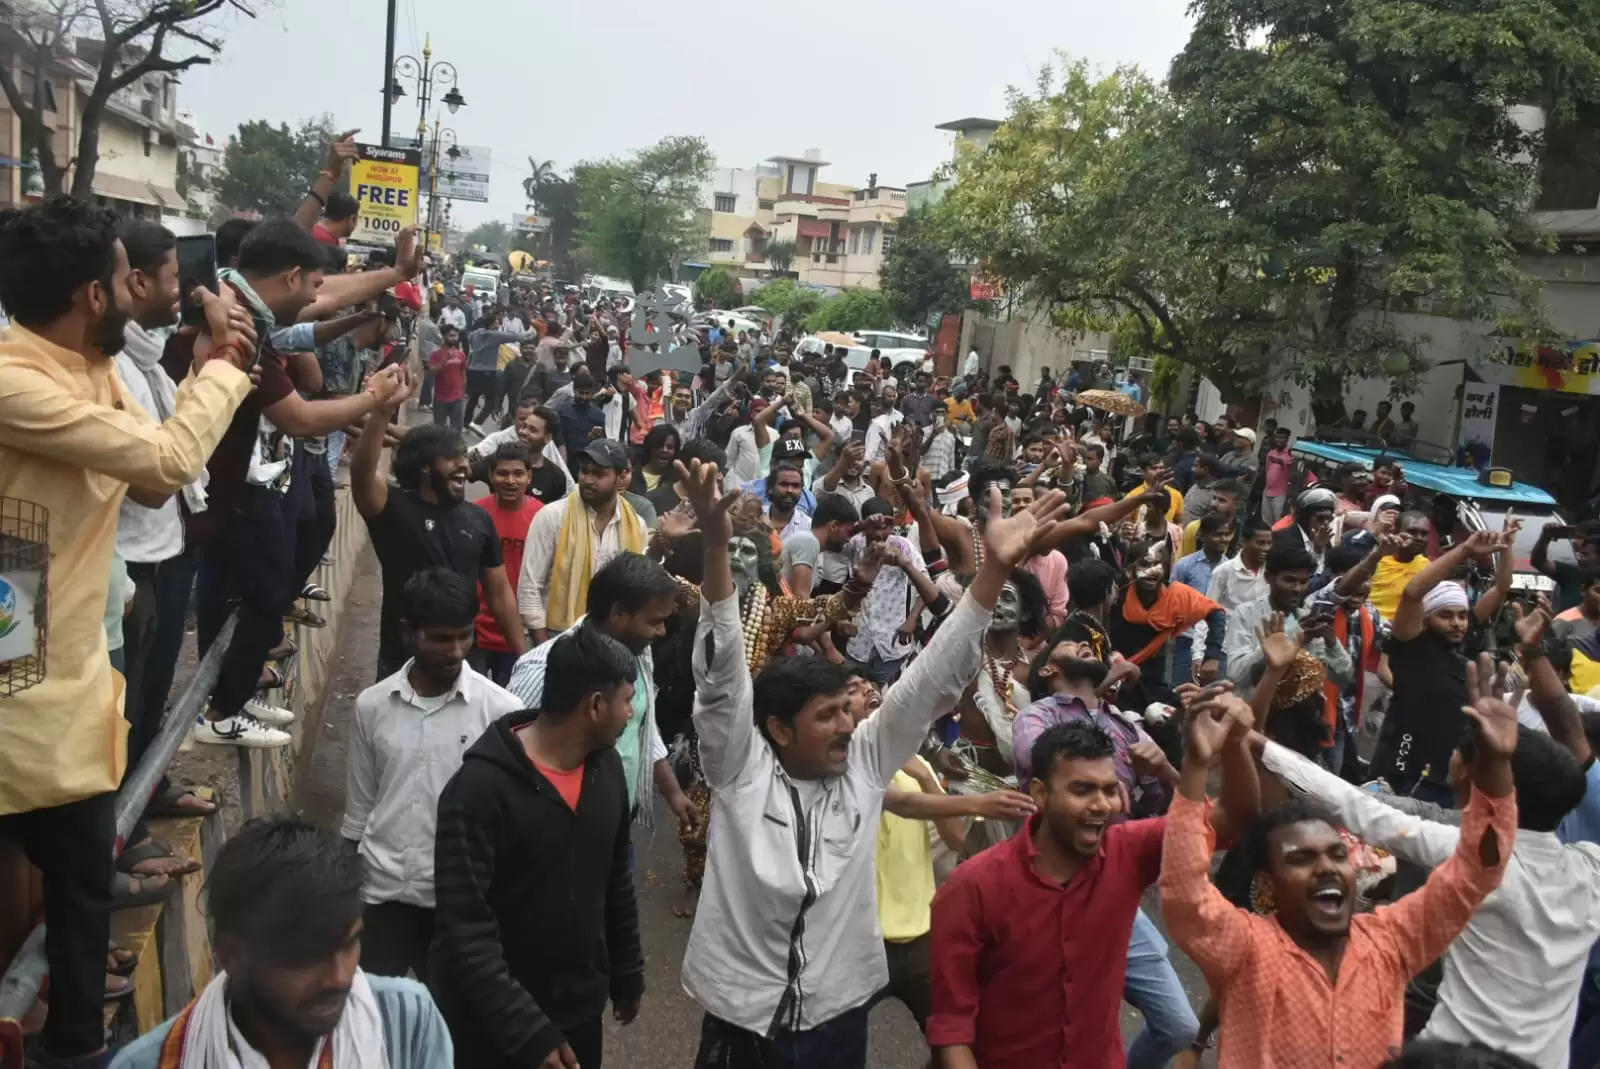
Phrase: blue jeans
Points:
(1151, 986)
(879, 669)
(335, 447)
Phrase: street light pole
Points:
(388, 72)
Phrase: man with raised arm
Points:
(785, 954)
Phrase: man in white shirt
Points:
(785, 955)
(453, 316)
(971, 366)
(1241, 579)
(750, 444)
(882, 424)
(410, 732)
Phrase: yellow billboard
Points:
(384, 184)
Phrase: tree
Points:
(122, 40)
(267, 168)
(787, 298)
(780, 255)
(854, 309)
(558, 201)
(634, 214)
(1307, 171)
(493, 235)
(917, 277)
(544, 173)
(717, 288)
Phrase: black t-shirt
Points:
(549, 483)
(1424, 721)
(411, 534)
(664, 498)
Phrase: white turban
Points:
(1447, 595)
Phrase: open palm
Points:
(1006, 541)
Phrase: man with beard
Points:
(254, 494)
(1070, 684)
(535, 427)
(1430, 676)
(1031, 938)
(784, 486)
(512, 510)
(425, 520)
(575, 537)
(1309, 986)
(845, 477)
(73, 443)
(630, 600)
(285, 904)
(1288, 571)
(690, 418)
(583, 419)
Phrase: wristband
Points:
(329, 175)
(314, 195)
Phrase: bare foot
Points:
(688, 898)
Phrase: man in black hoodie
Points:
(537, 924)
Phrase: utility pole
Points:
(388, 72)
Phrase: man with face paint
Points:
(284, 899)
(1430, 676)
(1309, 985)
(1152, 612)
(75, 443)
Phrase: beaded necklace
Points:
(754, 613)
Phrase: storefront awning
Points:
(170, 198)
(812, 228)
(114, 188)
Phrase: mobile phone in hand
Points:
(197, 266)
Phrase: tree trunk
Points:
(88, 148)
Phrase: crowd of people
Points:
(932, 675)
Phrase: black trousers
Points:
(315, 525)
(837, 1044)
(587, 1042)
(395, 938)
(910, 977)
(481, 385)
(71, 845)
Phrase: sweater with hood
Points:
(537, 925)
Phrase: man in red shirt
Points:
(338, 220)
(512, 510)
(449, 366)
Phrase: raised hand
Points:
(1004, 805)
(1479, 543)
(1494, 722)
(1206, 731)
(675, 523)
(872, 561)
(342, 151)
(702, 486)
(408, 252)
(222, 330)
(1006, 541)
(1531, 628)
(1150, 759)
(391, 386)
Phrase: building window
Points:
(866, 241)
(721, 244)
(888, 242)
(725, 202)
(855, 241)
(764, 205)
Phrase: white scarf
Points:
(212, 1041)
(141, 355)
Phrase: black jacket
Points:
(536, 924)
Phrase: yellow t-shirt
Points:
(959, 411)
(1585, 678)
(905, 872)
(1177, 502)
(1390, 580)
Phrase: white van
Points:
(485, 284)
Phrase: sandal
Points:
(313, 592)
(283, 650)
(305, 616)
(170, 803)
(271, 678)
(117, 987)
(128, 891)
(154, 850)
(121, 961)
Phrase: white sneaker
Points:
(274, 716)
(476, 429)
(240, 730)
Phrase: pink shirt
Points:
(1051, 571)
(1277, 478)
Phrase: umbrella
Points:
(1118, 404)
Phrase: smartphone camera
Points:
(197, 266)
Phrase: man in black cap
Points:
(571, 539)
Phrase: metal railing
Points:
(20, 985)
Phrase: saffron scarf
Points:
(1370, 655)
(567, 595)
(1178, 608)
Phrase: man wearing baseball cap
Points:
(1242, 457)
(571, 539)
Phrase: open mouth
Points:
(1328, 900)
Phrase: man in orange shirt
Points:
(1307, 987)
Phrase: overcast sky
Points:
(864, 81)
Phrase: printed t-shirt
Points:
(512, 527)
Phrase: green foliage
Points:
(917, 276)
(493, 235)
(854, 309)
(267, 168)
(635, 214)
(717, 288)
(780, 255)
(1306, 171)
(787, 298)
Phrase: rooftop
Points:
(962, 125)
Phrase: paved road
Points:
(667, 1029)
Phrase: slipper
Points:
(305, 616)
(120, 961)
(313, 592)
(283, 650)
(271, 678)
(117, 987)
(152, 850)
(169, 803)
(130, 891)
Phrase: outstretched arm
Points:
(1408, 618)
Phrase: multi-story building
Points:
(838, 233)
(200, 163)
(969, 133)
(136, 173)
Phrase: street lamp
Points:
(425, 73)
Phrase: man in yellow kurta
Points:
(72, 442)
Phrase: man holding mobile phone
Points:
(1288, 572)
(1585, 538)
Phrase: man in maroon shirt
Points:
(449, 366)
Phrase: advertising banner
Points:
(1480, 404)
(464, 176)
(384, 183)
